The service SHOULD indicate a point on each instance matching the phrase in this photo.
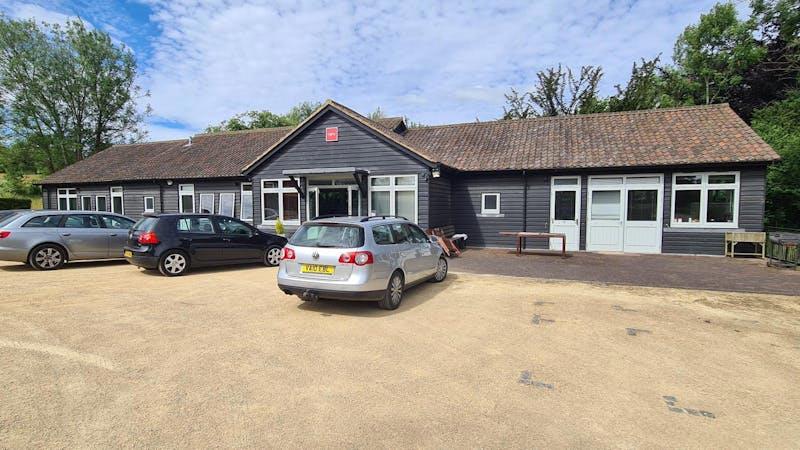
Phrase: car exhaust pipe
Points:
(310, 296)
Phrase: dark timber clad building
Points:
(655, 181)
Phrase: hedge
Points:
(15, 203)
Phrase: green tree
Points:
(68, 91)
(647, 88)
(251, 120)
(779, 125)
(558, 91)
(715, 54)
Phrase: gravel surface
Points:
(106, 355)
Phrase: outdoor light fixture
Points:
(169, 182)
(435, 172)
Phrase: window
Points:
(186, 198)
(86, 202)
(206, 203)
(417, 236)
(328, 236)
(43, 222)
(117, 223)
(605, 205)
(394, 195)
(382, 235)
(642, 205)
(400, 233)
(233, 227)
(117, 201)
(490, 203)
(281, 200)
(149, 204)
(226, 203)
(195, 225)
(81, 221)
(246, 206)
(101, 203)
(705, 200)
(68, 199)
(564, 207)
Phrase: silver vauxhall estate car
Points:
(359, 258)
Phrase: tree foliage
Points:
(558, 91)
(251, 120)
(66, 92)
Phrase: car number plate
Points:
(317, 268)
(128, 254)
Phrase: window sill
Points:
(491, 215)
(700, 229)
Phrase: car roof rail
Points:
(328, 216)
(367, 219)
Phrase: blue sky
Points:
(203, 61)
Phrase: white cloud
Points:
(18, 10)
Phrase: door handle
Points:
(66, 234)
(226, 239)
(113, 234)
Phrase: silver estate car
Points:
(46, 240)
(359, 258)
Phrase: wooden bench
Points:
(523, 235)
(740, 237)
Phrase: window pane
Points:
(207, 203)
(81, 221)
(43, 222)
(226, 202)
(62, 204)
(233, 227)
(720, 205)
(606, 181)
(101, 204)
(312, 204)
(380, 181)
(291, 208)
(355, 205)
(382, 235)
(688, 179)
(195, 225)
(687, 206)
(417, 235)
(73, 203)
(722, 179)
(642, 205)
(247, 203)
(565, 181)
(400, 233)
(490, 202)
(404, 204)
(187, 205)
(149, 203)
(405, 181)
(643, 180)
(86, 203)
(380, 203)
(605, 205)
(565, 205)
(117, 223)
(328, 235)
(270, 184)
(116, 205)
(270, 206)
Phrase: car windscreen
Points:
(146, 224)
(328, 235)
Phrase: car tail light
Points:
(148, 238)
(4, 234)
(357, 258)
(287, 253)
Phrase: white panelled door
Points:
(624, 213)
(565, 211)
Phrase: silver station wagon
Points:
(46, 240)
(359, 258)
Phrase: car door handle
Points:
(113, 234)
(66, 234)
(226, 239)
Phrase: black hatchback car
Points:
(174, 243)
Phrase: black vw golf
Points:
(174, 243)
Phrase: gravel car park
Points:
(126, 358)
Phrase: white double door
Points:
(624, 213)
(565, 211)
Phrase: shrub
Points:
(15, 203)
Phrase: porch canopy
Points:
(359, 175)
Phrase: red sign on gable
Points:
(331, 134)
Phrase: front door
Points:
(624, 213)
(565, 211)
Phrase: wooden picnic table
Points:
(522, 235)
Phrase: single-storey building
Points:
(655, 181)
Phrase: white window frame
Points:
(65, 194)
(200, 205)
(152, 199)
(181, 194)
(242, 193)
(392, 188)
(121, 194)
(284, 185)
(704, 187)
(486, 211)
(96, 203)
(89, 197)
(233, 203)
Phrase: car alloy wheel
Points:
(174, 264)
(48, 258)
(441, 270)
(273, 256)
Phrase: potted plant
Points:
(279, 228)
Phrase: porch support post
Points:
(297, 186)
(361, 181)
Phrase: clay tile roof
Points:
(676, 136)
(660, 137)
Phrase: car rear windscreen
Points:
(328, 235)
(146, 224)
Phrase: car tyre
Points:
(174, 263)
(394, 292)
(441, 270)
(272, 257)
(47, 257)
